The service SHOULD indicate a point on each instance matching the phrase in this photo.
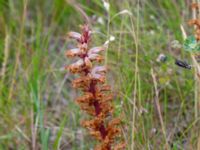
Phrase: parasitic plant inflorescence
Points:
(96, 99)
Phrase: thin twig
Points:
(158, 108)
(33, 131)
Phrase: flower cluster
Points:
(96, 99)
(195, 22)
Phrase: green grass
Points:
(36, 97)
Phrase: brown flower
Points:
(96, 99)
(195, 22)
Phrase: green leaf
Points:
(191, 44)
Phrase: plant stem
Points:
(97, 107)
(92, 89)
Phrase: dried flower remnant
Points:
(96, 99)
(195, 6)
(195, 22)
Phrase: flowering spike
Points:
(94, 100)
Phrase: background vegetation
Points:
(37, 110)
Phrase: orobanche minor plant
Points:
(96, 99)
